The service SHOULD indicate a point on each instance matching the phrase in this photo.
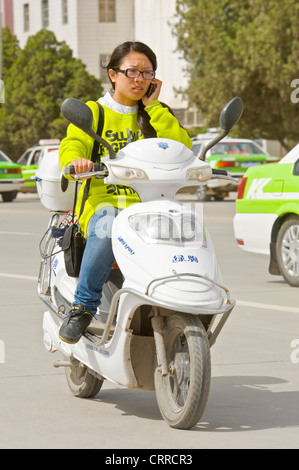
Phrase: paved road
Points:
(254, 395)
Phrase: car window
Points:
(292, 156)
(196, 148)
(3, 158)
(23, 160)
(243, 148)
(35, 157)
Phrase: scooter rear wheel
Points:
(183, 393)
(81, 382)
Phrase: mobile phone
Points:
(151, 90)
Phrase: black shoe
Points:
(75, 324)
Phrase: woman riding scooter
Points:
(132, 111)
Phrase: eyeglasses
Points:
(134, 73)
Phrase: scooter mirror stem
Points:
(229, 117)
(211, 144)
(99, 139)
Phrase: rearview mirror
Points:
(231, 114)
(229, 117)
(78, 113)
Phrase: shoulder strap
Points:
(96, 144)
(94, 155)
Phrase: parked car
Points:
(267, 215)
(232, 155)
(31, 158)
(11, 180)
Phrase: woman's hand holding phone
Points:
(153, 92)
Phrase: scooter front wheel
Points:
(81, 382)
(182, 394)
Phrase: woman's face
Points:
(128, 91)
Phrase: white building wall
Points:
(99, 38)
(152, 18)
(67, 32)
(84, 34)
(142, 20)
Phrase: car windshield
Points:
(3, 158)
(24, 158)
(243, 148)
(292, 156)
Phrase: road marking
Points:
(280, 308)
(21, 211)
(241, 303)
(17, 233)
(19, 276)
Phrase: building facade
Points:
(93, 28)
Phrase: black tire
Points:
(81, 382)
(287, 250)
(182, 394)
(218, 198)
(9, 196)
(201, 192)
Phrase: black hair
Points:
(124, 49)
(116, 58)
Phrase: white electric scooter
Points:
(164, 304)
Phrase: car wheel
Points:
(220, 196)
(202, 193)
(287, 250)
(9, 196)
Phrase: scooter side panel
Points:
(112, 361)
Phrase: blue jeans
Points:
(97, 259)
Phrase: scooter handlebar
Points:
(70, 170)
(223, 174)
(219, 172)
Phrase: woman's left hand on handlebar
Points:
(82, 165)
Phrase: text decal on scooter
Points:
(54, 266)
(182, 258)
(126, 246)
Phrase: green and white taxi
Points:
(30, 160)
(11, 181)
(233, 155)
(267, 215)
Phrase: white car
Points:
(232, 155)
(30, 160)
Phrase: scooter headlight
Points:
(164, 228)
(124, 173)
(199, 174)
